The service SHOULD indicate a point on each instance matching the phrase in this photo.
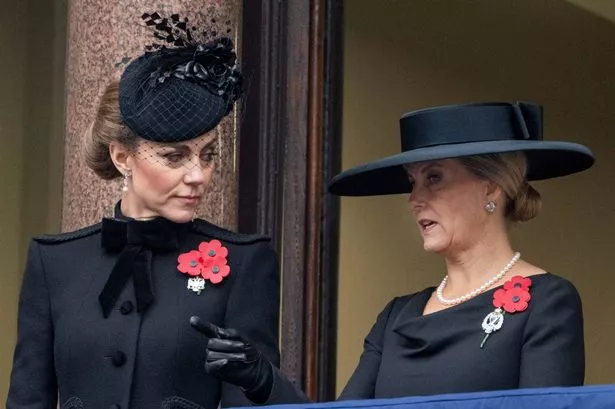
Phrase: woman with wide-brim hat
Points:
(495, 321)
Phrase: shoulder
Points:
(209, 230)
(553, 296)
(553, 286)
(397, 304)
(401, 301)
(555, 314)
(50, 239)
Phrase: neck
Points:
(472, 267)
(130, 209)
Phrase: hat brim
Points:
(546, 159)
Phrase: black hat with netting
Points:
(182, 88)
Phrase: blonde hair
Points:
(508, 170)
(107, 127)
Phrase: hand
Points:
(232, 359)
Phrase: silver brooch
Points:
(196, 284)
(492, 322)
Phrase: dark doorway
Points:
(289, 147)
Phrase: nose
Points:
(194, 173)
(417, 198)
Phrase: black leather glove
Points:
(232, 359)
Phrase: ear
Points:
(493, 191)
(121, 157)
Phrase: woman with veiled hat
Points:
(105, 312)
(495, 321)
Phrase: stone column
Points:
(101, 33)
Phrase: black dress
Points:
(408, 354)
(146, 359)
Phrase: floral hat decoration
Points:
(182, 85)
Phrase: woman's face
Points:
(169, 179)
(448, 203)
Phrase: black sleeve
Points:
(553, 348)
(363, 380)
(33, 379)
(253, 310)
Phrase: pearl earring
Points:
(490, 206)
(125, 182)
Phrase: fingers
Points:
(212, 331)
(213, 367)
(206, 328)
(228, 333)
(225, 345)
(214, 356)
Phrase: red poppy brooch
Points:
(513, 297)
(207, 263)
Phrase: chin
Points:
(435, 246)
(182, 219)
(179, 216)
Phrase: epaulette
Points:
(211, 230)
(68, 236)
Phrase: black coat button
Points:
(118, 358)
(126, 307)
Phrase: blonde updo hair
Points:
(508, 170)
(107, 127)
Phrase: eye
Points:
(434, 178)
(208, 155)
(173, 157)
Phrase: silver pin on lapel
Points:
(196, 284)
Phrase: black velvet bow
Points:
(136, 240)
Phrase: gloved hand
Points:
(232, 359)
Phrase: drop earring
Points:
(490, 206)
(125, 182)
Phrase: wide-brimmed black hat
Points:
(181, 88)
(455, 131)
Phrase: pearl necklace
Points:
(478, 290)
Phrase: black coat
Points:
(132, 359)
(408, 354)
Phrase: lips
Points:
(427, 225)
(189, 199)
